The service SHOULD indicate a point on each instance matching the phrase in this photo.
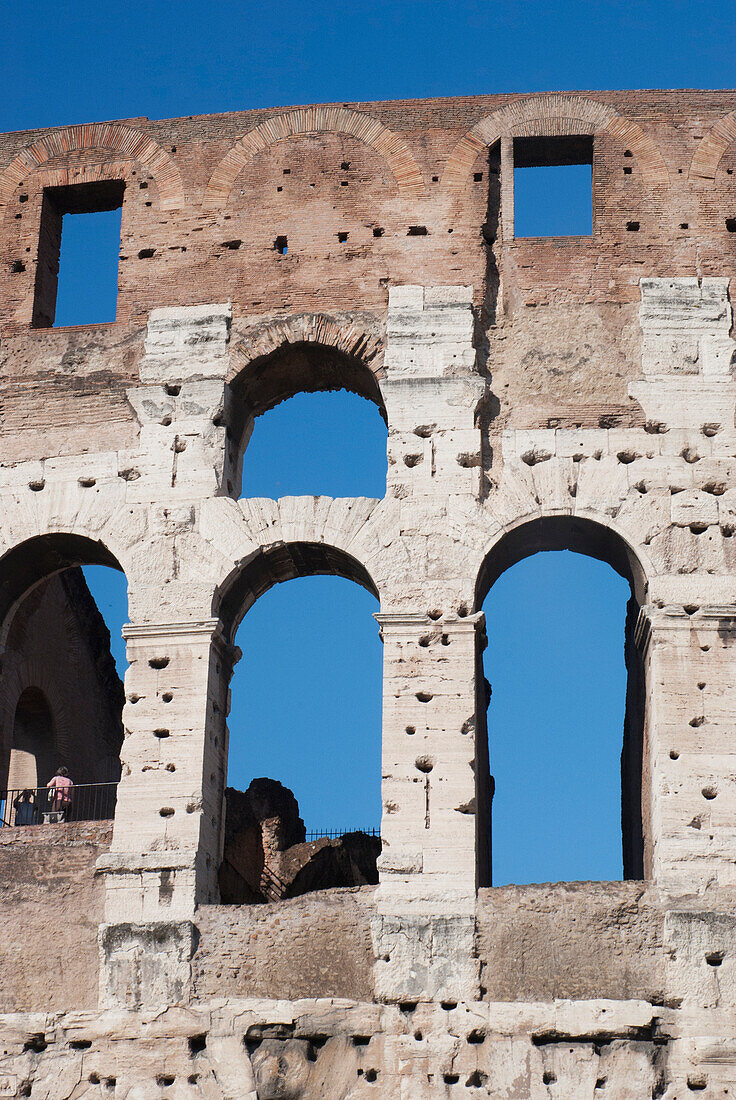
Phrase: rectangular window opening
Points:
(553, 186)
(78, 253)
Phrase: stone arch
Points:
(32, 561)
(130, 143)
(309, 353)
(33, 673)
(354, 358)
(713, 145)
(33, 747)
(553, 115)
(272, 565)
(598, 539)
(589, 535)
(87, 730)
(310, 120)
(264, 820)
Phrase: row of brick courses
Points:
(64, 835)
(298, 188)
(619, 201)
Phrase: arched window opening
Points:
(566, 706)
(303, 781)
(62, 698)
(32, 756)
(317, 444)
(307, 420)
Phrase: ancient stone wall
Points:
(51, 904)
(318, 945)
(540, 394)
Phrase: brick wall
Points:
(206, 198)
(571, 940)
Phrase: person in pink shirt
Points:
(60, 787)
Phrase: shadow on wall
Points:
(267, 856)
(61, 699)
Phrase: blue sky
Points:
(306, 696)
(75, 60)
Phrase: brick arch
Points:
(308, 328)
(130, 143)
(310, 120)
(306, 353)
(553, 115)
(714, 144)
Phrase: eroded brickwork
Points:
(540, 394)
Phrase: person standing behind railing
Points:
(60, 788)
(26, 812)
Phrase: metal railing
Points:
(335, 834)
(41, 806)
(272, 887)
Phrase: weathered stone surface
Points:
(52, 904)
(540, 394)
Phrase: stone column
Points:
(424, 931)
(425, 926)
(167, 839)
(689, 778)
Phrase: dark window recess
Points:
(627, 171)
(342, 237)
(731, 225)
(553, 186)
(78, 250)
(233, 246)
(281, 245)
(417, 231)
(377, 231)
(146, 253)
(633, 227)
(477, 176)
